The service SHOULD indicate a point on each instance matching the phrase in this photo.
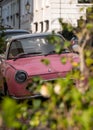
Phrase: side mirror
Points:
(76, 48)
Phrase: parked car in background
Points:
(22, 61)
(7, 33)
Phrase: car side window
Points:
(15, 49)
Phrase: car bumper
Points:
(26, 97)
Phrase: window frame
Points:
(36, 26)
(85, 1)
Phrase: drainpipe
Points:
(1, 12)
(19, 14)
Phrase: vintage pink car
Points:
(22, 61)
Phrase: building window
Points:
(11, 17)
(85, 1)
(47, 25)
(7, 18)
(13, 20)
(36, 26)
(41, 26)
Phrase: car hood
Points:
(36, 65)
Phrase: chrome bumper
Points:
(26, 97)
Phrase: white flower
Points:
(57, 89)
(44, 91)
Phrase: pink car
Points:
(22, 61)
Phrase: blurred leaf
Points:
(10, 110)
(89, 61)
(64, 60)
(45, 61)
(90, 26)
(36, 104)
(88, 53)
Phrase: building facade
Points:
(14, 14)
(42, 15)
(48, 12)
(10, 13)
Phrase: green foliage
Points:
(13, 114)
(2, 44)
(81, 23)
(65, 26)
(63, 60)
(2, 41)
(10, 110)
(90, 14)
(90, 27)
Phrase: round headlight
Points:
(20, 76)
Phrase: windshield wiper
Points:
(21, 55)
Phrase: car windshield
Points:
(34, 46)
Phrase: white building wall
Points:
(42, 13)
(68, 10)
